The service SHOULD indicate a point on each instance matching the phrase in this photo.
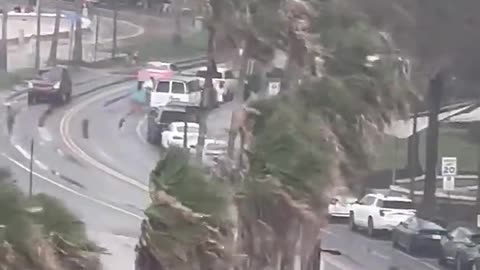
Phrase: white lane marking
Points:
(27, 156)
(327, 232)
(336, 263)
(60, 152)
(45, 134)
(41, 165)
(22, 151)
(380, 255)
(107, 205)
(139, 129)
(418, 260)
(64, 132)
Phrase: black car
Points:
(418, 234)
(461, 247)
(51, 85)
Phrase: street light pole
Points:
(37, 45)
(30, 187)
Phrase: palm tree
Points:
(52, 59)
(177, 17)
(208, 92)
(40, 233)
(78, 48)
(4, 47)
(297, 143)
(115, 18)
(435, 94)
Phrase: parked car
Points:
(340, 206)
(380, 212)
(416, 234)
(175, 134)
(156, 70)
(213, 150)
(159, 119)
(461, 247)
(52, 85)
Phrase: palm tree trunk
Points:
(477, 202)
(177, 17)
(435, 93)
(52, 59)
(207, 92)
(3, 49)
(78, 48)
(413, 155)
(115, 18)
(238, 99)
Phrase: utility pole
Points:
(115, 15)
(30, 186)
(37, 45)
(413, 155)
(97, 29)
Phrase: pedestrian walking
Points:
(10, 119)
(137, 102)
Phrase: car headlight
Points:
(56, 85)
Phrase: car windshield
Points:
(190, 129)
(396, 204)
(216, 147)
(52, 75)
(475, 239)
(173, 116)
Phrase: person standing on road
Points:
(10, 119)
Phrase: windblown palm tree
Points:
(298, 145)
(52, 59)
(78, 48)
(40, 233)
(4, 46)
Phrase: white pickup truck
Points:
(224, 82)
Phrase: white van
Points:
(177, 88)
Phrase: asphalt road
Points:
(104, 178)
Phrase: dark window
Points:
(475, 238)
(163, 87)
(53, 75)
(395, 204)
(193, 86)
(169, 117)
(203, 74)
(368, 200)
(229, 74)
(178, 88)
(190, 129)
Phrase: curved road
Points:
(104, 178)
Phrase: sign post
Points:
(449, 171)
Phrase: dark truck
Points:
(159, 118)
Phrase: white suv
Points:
(379, 212)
